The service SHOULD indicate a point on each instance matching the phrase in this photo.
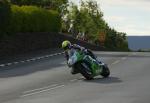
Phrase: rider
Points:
(66, 45)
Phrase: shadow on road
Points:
(105, 80)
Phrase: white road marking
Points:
(33, 59)
(42, 57)
(117, 61)
(22, 61)
(45, 90)
(47, 56)
(16, 62)
(54, 54)
(28, 60)
(38, 58)
(73, 80)
(39, 89)
(9, 64)
(2, 65)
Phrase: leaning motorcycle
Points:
(88, 66)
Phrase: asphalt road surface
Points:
(49, 80)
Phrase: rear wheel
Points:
(106, 72)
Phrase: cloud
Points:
(132, 29)
(128, 25)
(125, 2)
(115, 18)
(134, 4)
(130, 16)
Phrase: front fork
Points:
(97, 68)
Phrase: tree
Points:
(116, 40)
(87, 19)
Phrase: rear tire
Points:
(106, 72)
(85, 73)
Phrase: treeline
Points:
(85, 21)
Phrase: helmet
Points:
(66, 44)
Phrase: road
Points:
(49, 80)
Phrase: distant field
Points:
(139, 42)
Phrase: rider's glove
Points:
(84, 51)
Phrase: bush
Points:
(33, 19)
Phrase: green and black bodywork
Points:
(88, 66)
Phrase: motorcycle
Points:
(88, 66)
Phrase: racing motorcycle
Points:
(87, 66)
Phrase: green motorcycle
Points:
(87, 66)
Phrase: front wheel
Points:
(105, 72)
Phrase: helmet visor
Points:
(66, 48)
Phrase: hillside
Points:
(139, 42)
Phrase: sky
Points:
(129, 16)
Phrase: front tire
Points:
(106, 72)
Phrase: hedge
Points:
(33, 19)
(4, 16)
